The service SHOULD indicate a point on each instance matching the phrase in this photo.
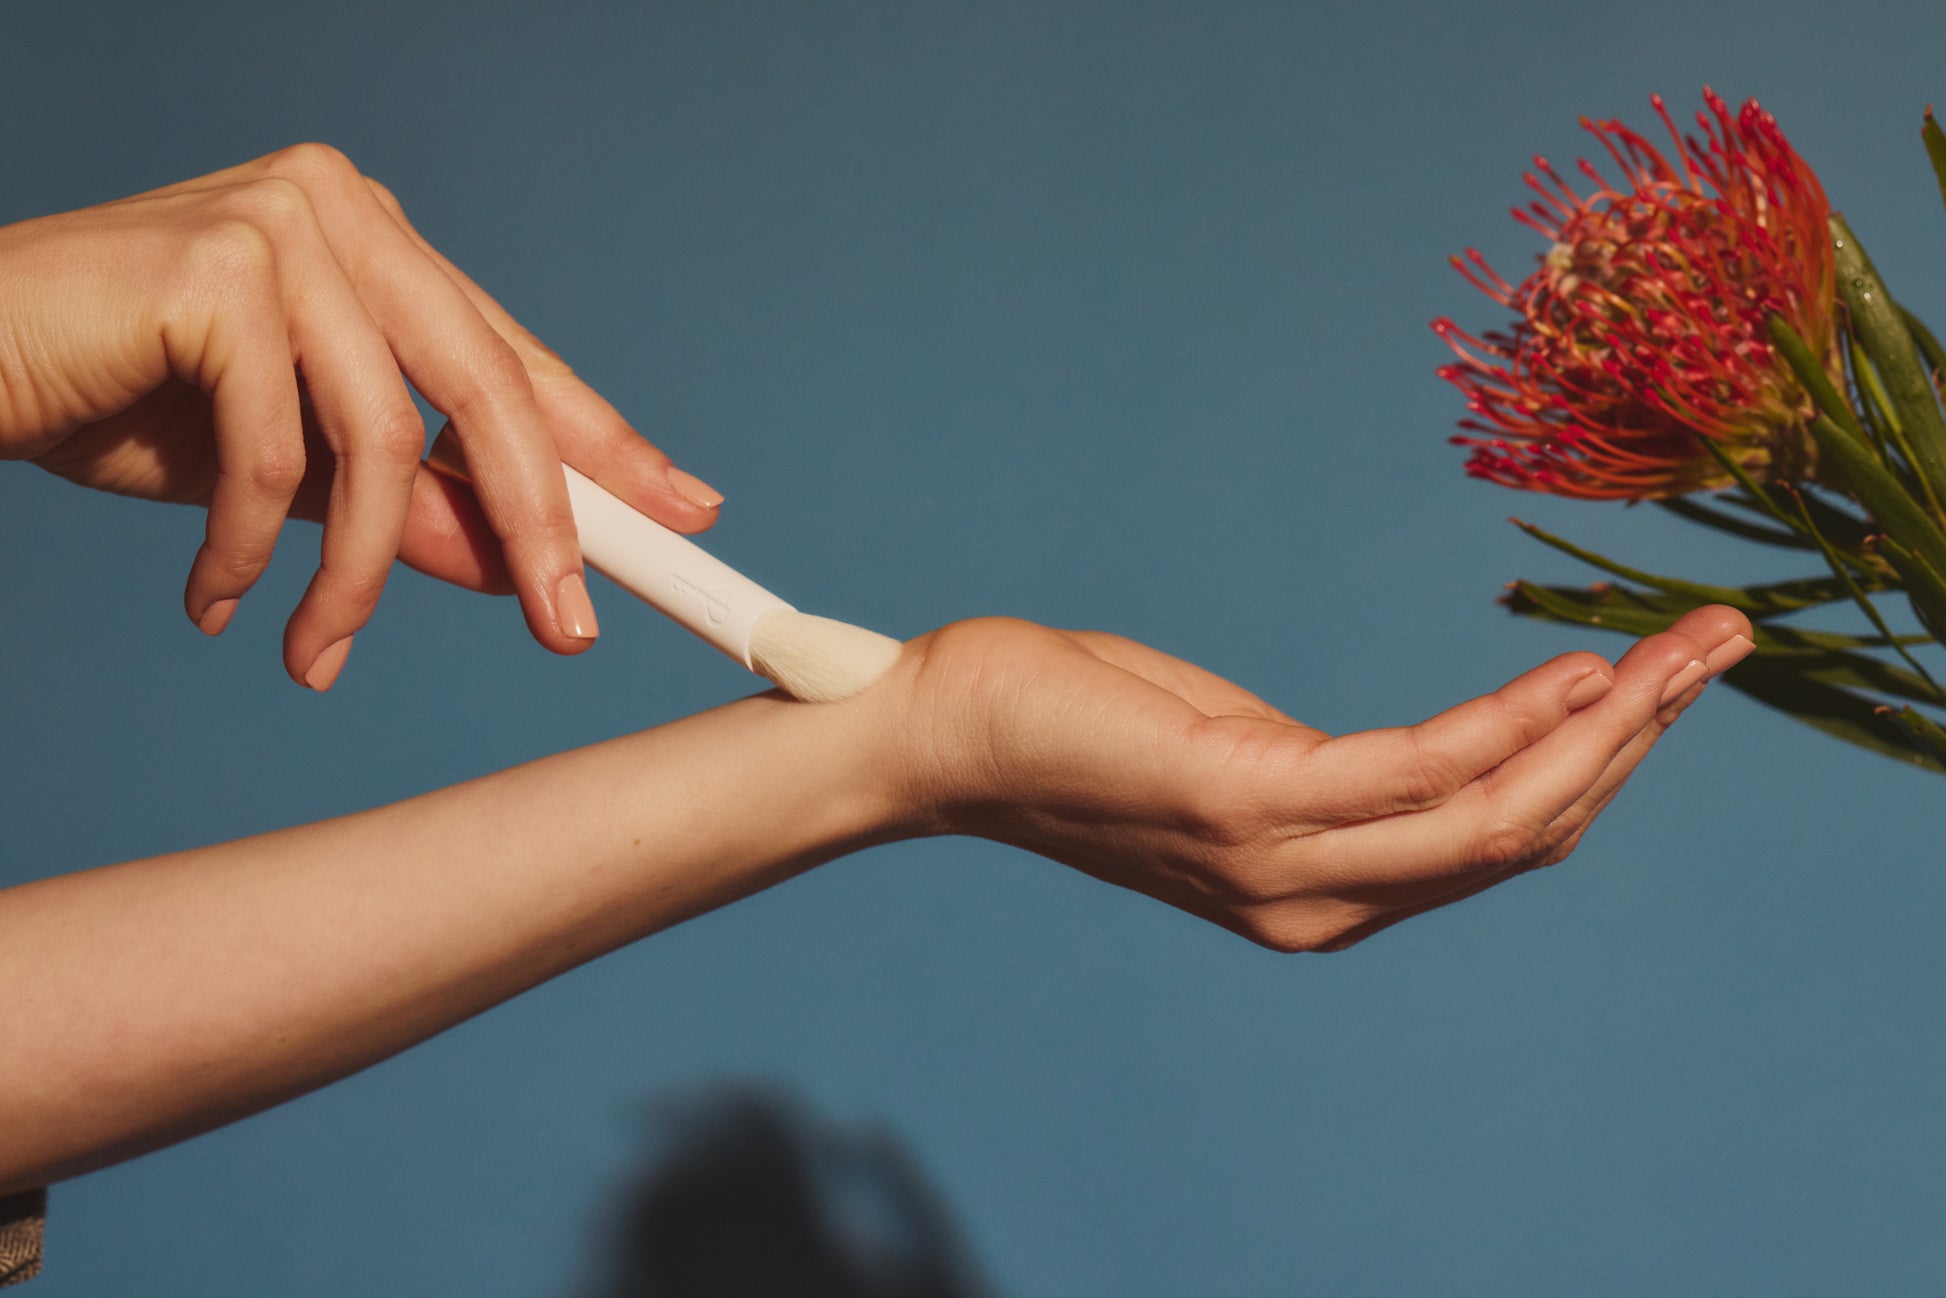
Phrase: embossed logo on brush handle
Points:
(715, 599)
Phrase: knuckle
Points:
(1584, 660)
(535, 538)
(556, 523)
(1518, 718)
(276, 470)
(275, 204)
(232, 252)
(356, 590)
(1562, 850)
(494, 374)
(1558, 846)
(1420, 786)
(397, 434)
(237, 563)
(1505, 843)
(1511, 720)
(310, 163)
(1428, 777)
(544, 360)
(386, 198)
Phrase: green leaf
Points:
(1874, 408)
(1924, 586)
(1832, 521)
(1928, 344)
(1865, 605)
(1881, 330)
(1576, 605)
(1881, 493)
(1602, 606)
(1839, 527)
(1757, 601)
(1632, 612)
(1754, 497)
(1788, 671)
(1684, 507)
(1837, 712)
(1881, 419)
(1792, 640)
(1935, 148)
(1857, 671)
(1810, 372)
(1930, 734)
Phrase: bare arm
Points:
(171, 995)
(160, 998)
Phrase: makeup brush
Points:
(812, 658)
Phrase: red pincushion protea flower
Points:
(1644, 325)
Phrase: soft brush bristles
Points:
(817, 659)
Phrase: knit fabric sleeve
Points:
(21, 1217)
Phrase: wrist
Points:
(732, 801)
(943, 764)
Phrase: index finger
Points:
(472, 375)
(590, 433)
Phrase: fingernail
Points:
(575, 610)
(693, 489)
(1729, 654)
(1589, 688)
(329, 663)
(216, 617)
(1682, 680)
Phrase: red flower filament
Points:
(1643, 327)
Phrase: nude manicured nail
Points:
(1682, 680)
(216, 617)
(324, 671)
(575, 610)
(1589, 688)
(693, 489)
(1729, 654)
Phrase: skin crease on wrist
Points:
(171, 995)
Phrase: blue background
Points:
(1107, 315)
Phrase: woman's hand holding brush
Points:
(244, 341)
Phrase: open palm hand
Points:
(1149, 772)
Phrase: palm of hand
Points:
(1156, 775)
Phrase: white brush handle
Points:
(668, 570)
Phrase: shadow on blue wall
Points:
(752, 1194)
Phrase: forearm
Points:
(155, 999)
